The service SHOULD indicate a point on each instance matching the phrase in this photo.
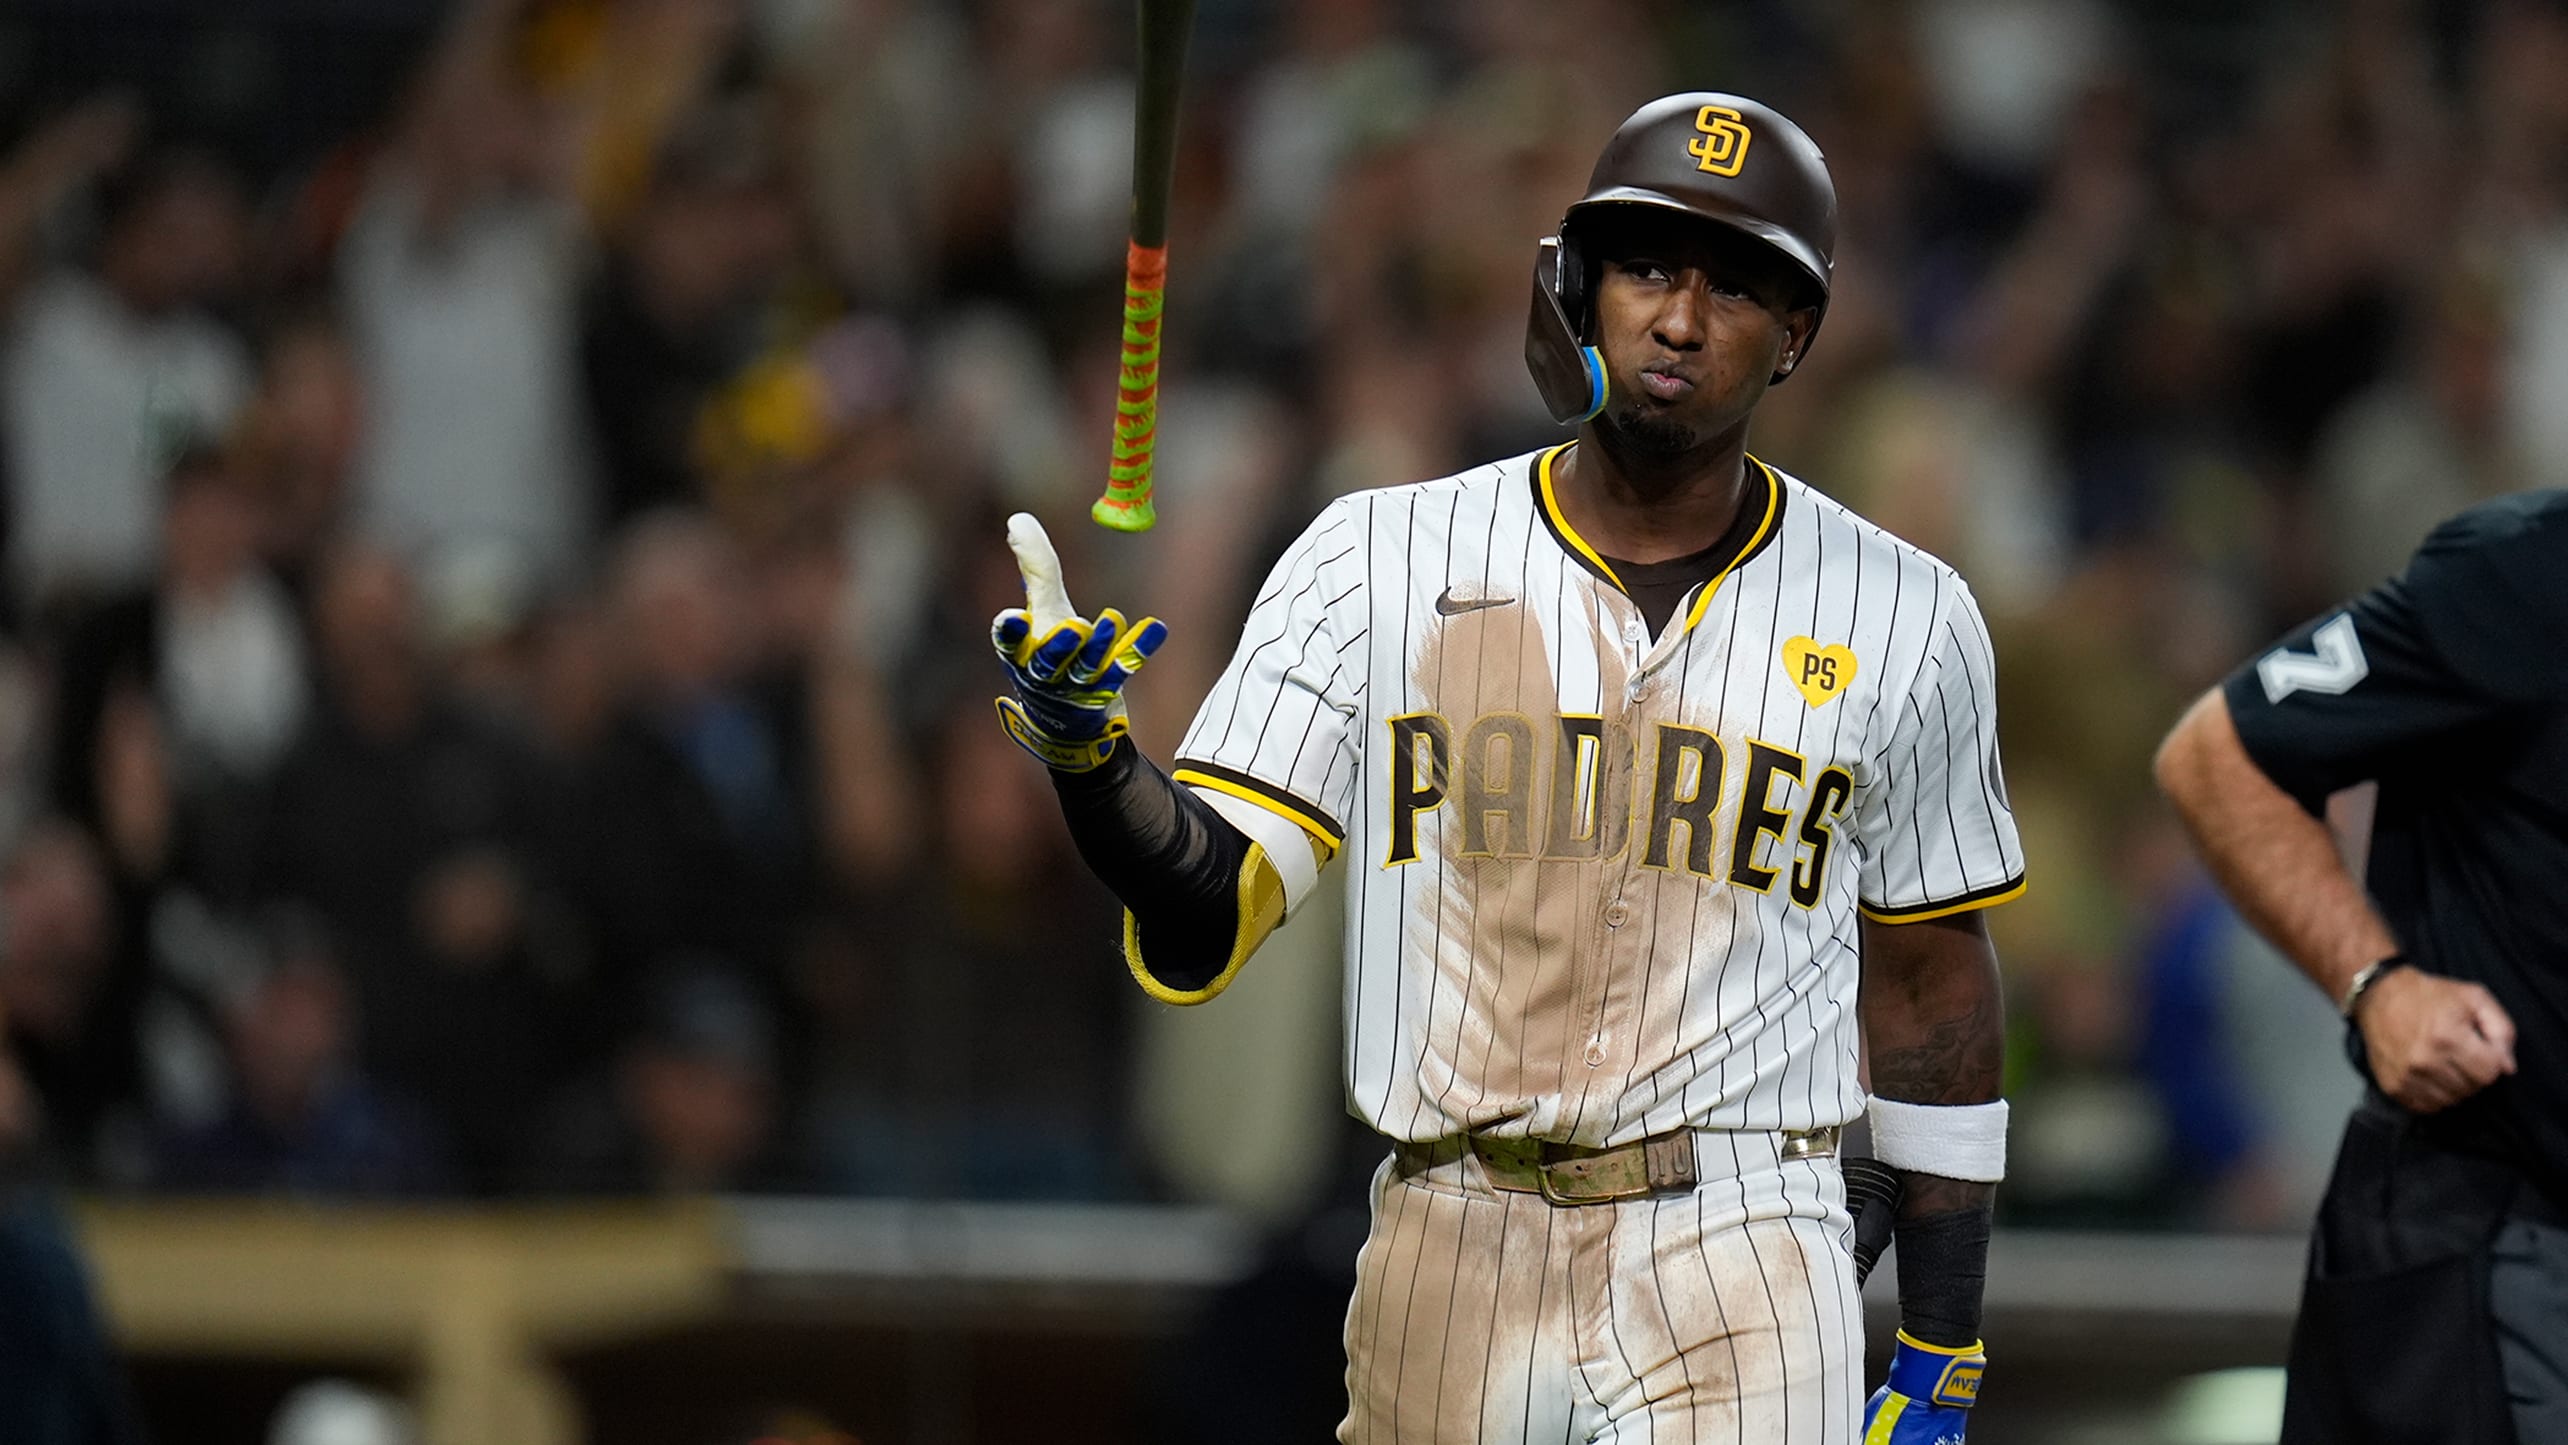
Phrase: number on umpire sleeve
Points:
(2337, 665)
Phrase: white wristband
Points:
(1956, 1141)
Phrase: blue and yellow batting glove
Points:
(1068, 672)
(1927, 1399)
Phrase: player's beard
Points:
(1644, 442)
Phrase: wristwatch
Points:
(2363, 981)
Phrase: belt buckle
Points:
(1808, 1143)
(1661, 1165)
(1549, 1174)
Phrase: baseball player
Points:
(1640, 755)
(2436, 1303)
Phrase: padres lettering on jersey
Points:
(1492, 779)
(1600, 884)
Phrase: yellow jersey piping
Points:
(1989, 897)
(1765, 529)
(1293, 810)
(1595, 561)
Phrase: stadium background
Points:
(518, 922)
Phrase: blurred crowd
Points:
(504, 497)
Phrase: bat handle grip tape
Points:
(1126, 506)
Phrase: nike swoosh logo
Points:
(1448, 605)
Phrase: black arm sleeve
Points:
(1943, 1272)
(1162, 850)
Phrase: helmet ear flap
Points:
(1569, 374)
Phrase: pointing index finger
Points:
(1047, 597)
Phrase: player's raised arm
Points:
(1198, 895)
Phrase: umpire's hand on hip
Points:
(2433, 1041)
(1067, 671)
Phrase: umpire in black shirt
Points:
(2436, 1307)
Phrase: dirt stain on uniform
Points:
(1516, 935)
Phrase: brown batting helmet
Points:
(1724, 158)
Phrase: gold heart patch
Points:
(1820, 672)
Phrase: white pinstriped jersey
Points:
(1603, 885)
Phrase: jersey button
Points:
(1617, 913)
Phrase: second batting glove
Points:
(1928, 1397)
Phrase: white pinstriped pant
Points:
(1727, 1316)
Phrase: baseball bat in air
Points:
(1163, 27)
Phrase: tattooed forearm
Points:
(1959, 1058)
(1934, 1016)
(1935, 1033)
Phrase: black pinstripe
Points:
(1898, 583)
(1981, 698)
(1497, 1292)
(1408, 629)
(1658, 1282)
(1409, 1310)
(1373, 1338)
(1658, 900)
(1885, 788)
(1712, 1286)
(1952, 824)
(1756, 963)
(1916, 833)
(1444, 889)
(1480, 666)
(1453, 1291)
(1597, 1291)
(1988, 800)
(1729, 945)
(1841, 1278)
(1836, 742)
(1319, 695)
(1765, 689)
(1541, 1288)
(1614, 1220)
(1283, 627)
(1524, 574)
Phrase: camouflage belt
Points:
(1567, 1174)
